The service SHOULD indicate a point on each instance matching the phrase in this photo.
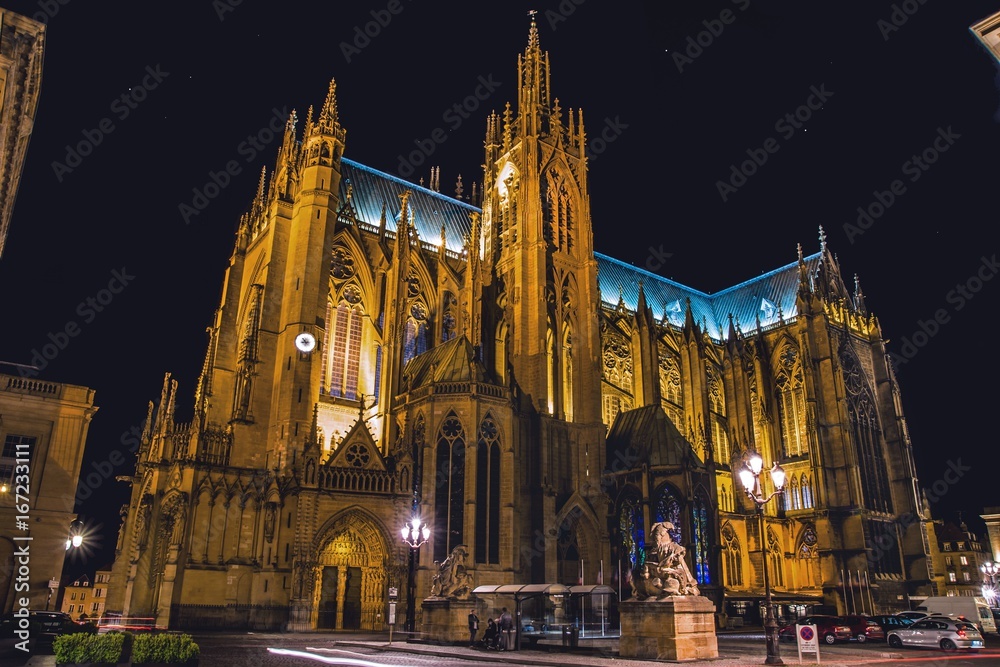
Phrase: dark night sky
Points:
(653, 188)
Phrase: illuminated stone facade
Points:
(43, 429)
(22, 45)
(476, 360)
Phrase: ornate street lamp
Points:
(415, 534)
(750, 477)
(990, 571)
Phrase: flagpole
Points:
(871, 600)
(861, 593)
(600, 580)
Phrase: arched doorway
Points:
(351, 574)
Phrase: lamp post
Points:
(415, 534)
(990, 571)
(750, 477)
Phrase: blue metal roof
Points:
(370, 189)
(764, 296)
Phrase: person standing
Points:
(507, 629)
(473, 628)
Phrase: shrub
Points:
(167, 648)
(84, 647)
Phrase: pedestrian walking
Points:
(473, 628)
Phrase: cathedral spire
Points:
(328, 115)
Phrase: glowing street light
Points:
(75, 538)
(414, 534)
(750, 478)
(990, 571)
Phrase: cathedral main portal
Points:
(350, 576)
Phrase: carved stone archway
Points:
(350, 576)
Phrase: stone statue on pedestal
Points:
(665, 573)
(453, 580)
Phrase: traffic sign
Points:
(807, 640)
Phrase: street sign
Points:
(393, 593)
(392, 613)
(53, 584)
(807, 640)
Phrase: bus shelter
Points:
(520, 593)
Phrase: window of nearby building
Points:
(967, 576)
(947, 546)
(952, 577)
(15, 447)
(964, 560)
(960, 546)
(948, 560)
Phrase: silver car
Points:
(938, 632)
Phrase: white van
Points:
(974, 609)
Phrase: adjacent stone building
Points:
(43, 430)
(22, 46)
(381, 349)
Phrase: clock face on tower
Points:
(305, 342)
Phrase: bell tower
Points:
(536, 247)
(305, 285)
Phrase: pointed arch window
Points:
(567, 371)
(717, 407)
(776, 559)
(246, 365)
(732, 561)
(666, 507)
(867, 435)
(449, 487)
(700, 543)
(790, 394)
(806, 490)
(415, 332)
(488, 492)
(792, 500)
(670, 387)
(632, 533)
(344, 358)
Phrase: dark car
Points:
(889, 622)
(864, 628)
(42, 628)
(831, 629)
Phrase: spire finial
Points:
(328, 115)
(533, 31)
(822, 239)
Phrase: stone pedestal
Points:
(447, 621)
(677, 628)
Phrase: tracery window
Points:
(344, 357)
(732, 557)
(867, 436)
(415, 332)
(488, 492)
(449, 487)
(776, 559)
(791, 401)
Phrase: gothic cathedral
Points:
(382, 350)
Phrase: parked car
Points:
(938, 632)
(831, 629)
(913, 615)
(864, 629)
(890, 622)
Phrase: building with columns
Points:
(382, 349)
